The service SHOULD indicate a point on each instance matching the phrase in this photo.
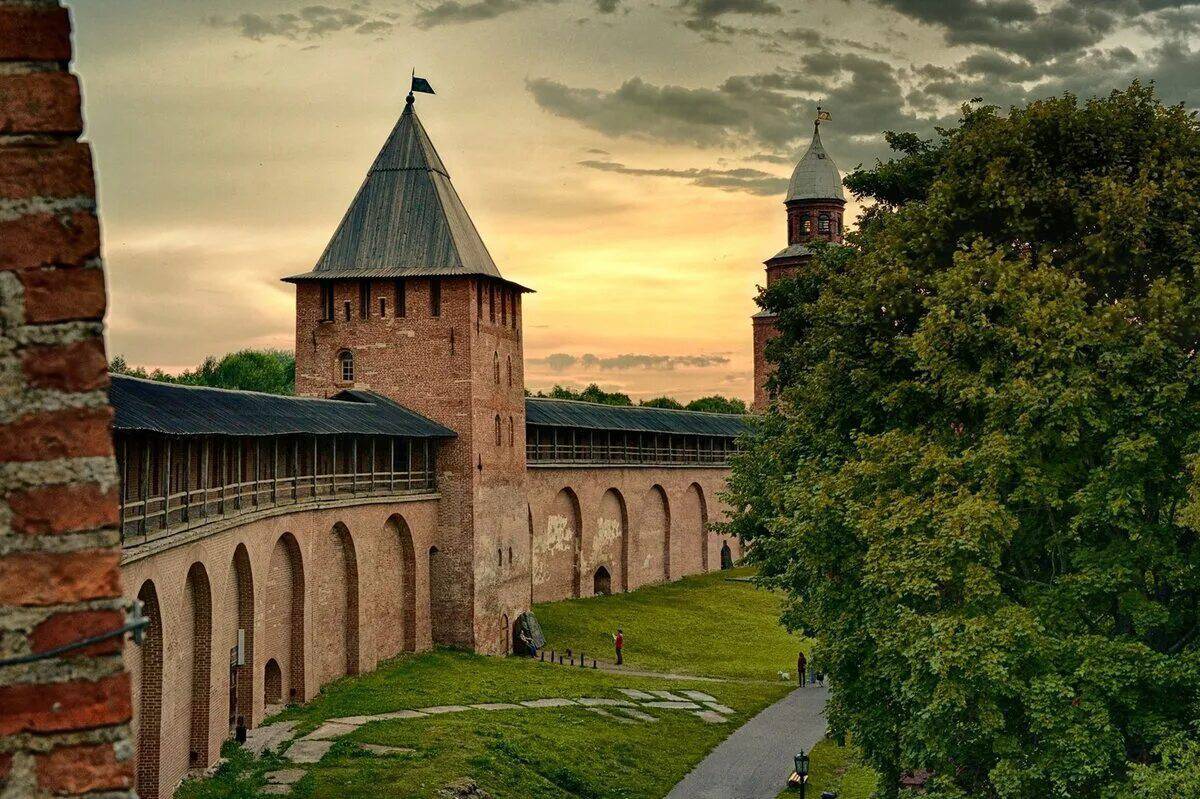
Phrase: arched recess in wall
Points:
(285, 607)
(698, 516)
(566, 509)
(349, 634)
(241, 694)
(658, 495)
(440, 598)
(272, 683)
(400, 577)
(200, 596)
(614, 512)
(149, 733)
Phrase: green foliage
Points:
(718, 404)
(269, 371)
(662, 402)
(978, 484)
(706, 624)
(593, 393)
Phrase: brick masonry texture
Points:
(63, 719)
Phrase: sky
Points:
(625, 159)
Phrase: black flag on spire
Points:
(421, 85)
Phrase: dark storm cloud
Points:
(452, 12)
(749, 181)
(561, 361)
(309, 22)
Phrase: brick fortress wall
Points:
(63, 720)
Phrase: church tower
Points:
(815, 204)
(407, 302)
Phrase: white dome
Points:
(816, 176)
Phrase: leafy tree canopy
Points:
(715, 403)
(662, 402)
(978, 483)
(270, 371)
(593, 393)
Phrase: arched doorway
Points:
(200, 600)
(601, 582)
(273, 683)
(726, 556)
(399, 603)
(690, 534)
(149, 720)
(241, 641)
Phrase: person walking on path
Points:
(801, 667)
(619, 643)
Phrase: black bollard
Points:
(581, 664)
(543, 655)
(593, 664)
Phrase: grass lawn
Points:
(838, 769)
(543, 753)
(705, 625)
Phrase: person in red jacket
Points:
(619, 643)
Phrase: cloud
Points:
(703, 14)
(1033, 31)
(561, 362)
(674, 114)
(750, 181)
(452, 12)
(310, 22)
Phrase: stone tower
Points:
(406, 301)
(815, 204)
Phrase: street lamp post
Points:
(802, 771)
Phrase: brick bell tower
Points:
(815, 204)
(406, 301)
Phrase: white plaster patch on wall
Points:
(559, 537)
(606, 546)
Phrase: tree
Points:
(717, 404)
(662, 402)
(269, 371)
(593, 393)
(978, 482)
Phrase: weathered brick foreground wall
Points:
(319, 594)
(63, 720)
(641, 525)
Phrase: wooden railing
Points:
(143, 521)
(147, 512)
(587, 447)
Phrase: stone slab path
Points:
(754, 762)
(310, 748)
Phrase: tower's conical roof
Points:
(816, 177)
(406, 220)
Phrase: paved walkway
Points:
(754, 762)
